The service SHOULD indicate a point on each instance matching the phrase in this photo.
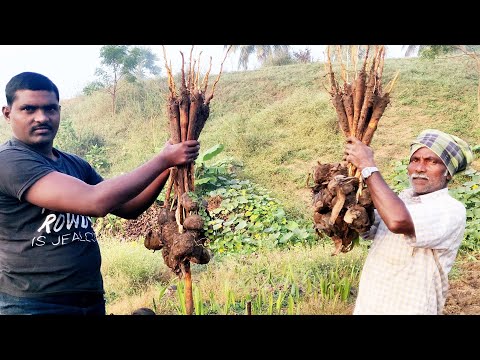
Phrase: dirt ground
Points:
(464, 294)
(140, 226)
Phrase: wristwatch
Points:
(366, 172)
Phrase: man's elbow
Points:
(100, 209)
(102, 205)
(401, 227)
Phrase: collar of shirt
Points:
(408, 195)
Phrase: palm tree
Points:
(413, 50)
(263, 52)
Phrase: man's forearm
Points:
(116, 192)
(389, 206)
(135, 207)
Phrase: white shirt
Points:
(409, 275)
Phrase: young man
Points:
(417, 234)
(49, 254)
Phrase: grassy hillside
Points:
(279, 120)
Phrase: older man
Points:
(417, 234)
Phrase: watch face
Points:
(366, 172)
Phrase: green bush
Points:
(87, 145)
(246, 217)
(469, 194)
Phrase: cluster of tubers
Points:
(180, 248)
(343, 208)
(338, 212)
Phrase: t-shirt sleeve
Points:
(436, 227)
(86, 171)
(92, 177)
(19, 170)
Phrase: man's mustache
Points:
(41, 127)
(419, 176)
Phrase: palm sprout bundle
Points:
(181, 236)
(342, 204)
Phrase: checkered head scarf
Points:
(455, 153)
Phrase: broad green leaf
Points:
(211, 153)
(204, 180)
(241, 225)
(291, 225)
(285, 237)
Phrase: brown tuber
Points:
(153, 240)
(165, 216)
(201, 255)
(178, 248)
(337, 213)
(188, 203)
(193, 222)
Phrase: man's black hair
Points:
(29, 81)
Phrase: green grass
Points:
(136, 277)
(128, 268)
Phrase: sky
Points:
(72, 67)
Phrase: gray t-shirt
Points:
(44, 252)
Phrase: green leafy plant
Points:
(97, 157)
(87, 145)
(210, 177)
(245, 217)
(469, 194)
(108, 225)
(198, 302)
(399, 180)
(248, 218)
(181, 307)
